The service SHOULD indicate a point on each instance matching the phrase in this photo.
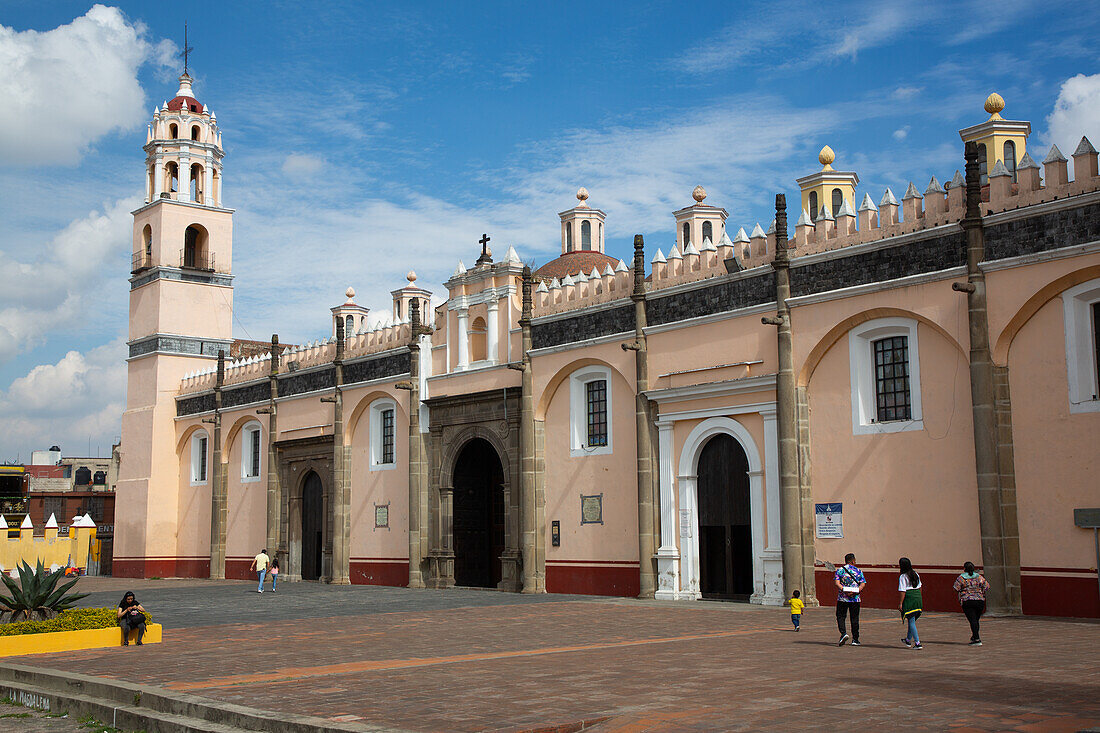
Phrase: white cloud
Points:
(901, 133)
(80, 266)
(75, 401)
(1076, 113)
(65, 88)
(301, 165)
(880, 24)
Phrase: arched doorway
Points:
(478, 515)
(312, 523)
(725, 520)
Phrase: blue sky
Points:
(364, 140)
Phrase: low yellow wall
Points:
(50, 549)
(67, 641)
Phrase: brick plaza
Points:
(465, 660)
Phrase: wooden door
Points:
(725, 524)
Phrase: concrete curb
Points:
(132, 706)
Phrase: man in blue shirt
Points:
(849, 582)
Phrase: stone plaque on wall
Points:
(592, 509)
(382, 516)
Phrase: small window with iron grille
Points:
(51, 505)
(596, 393)
(892, 379)
(387, 436)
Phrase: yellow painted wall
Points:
(50, 549)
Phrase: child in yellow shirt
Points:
(796, 605)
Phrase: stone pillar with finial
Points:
(532, 500)
(219, 500)
(276, 535)
(644, 427)
(341, 486)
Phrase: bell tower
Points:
(181, 314)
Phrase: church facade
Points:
(721, 421)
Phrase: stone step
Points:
(134, 707)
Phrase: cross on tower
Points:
(486, 254)
(186, 52)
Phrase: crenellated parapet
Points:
(315, 353)
(581, 291)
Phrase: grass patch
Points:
(97, 726)
(74, 619)
(15, 715)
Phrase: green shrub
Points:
(36, 596)
(74, 619)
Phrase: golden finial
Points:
(699, 193)
(994, 103)
(582, 196)
(411, 277)
(350, 292)
(826, 158)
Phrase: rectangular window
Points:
(95, 508)
(892, 379)
(1096, 339)
(51, 505)
(200, 474)
(252, 466)
(387, 436)
(596, 393)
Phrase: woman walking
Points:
(910, 602)
(971, 588)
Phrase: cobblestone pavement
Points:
(470, 660)
(19, 720)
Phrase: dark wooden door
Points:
(478, 516)
(725, 524)
(312, 522)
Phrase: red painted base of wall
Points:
(1051, 595)
(1043, 595)
(372, 572)
(238, 570)
(593, 580)
(161, 567)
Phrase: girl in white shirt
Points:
(910, 602)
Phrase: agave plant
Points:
(36, 597)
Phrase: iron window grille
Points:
(254, 464)
(596, 393)
(202, 460)
(387, 436)
(892, 395)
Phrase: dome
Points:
(187, 104)
(574, 263)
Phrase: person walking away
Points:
(273, 571)
(260, 563)
(971, 588)
(910, 601)
(131, 616)
(796, 605)
(849, 582)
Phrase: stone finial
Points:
(994, 103)
(1084, 147)
(999, 170)
(1054, 156)
(725, 240)
(461, 269)
(51, 523)
(959, 182)
(555, 284)
(621, 267)
(911, 192)
(804, 219)
(845, 209)
(824, 215)
(771, 228)
(658, 258)
(411, 277)
(26, 524)
(826, 157)
(690, 249)
(741, 237)
(511, 257)
(674, 253)
(3, 522)
(608, 272)
(568, 281)
(757, 231)
(1025, 163)
(582, 196)
(933, 187)
(888, 199)
(708, 245)
(542, 288)
(580, 278)
(699, 193)
(867, 204)
(350, 293)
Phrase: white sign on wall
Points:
(685, 524)
(830, 520)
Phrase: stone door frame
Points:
(295, 459)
